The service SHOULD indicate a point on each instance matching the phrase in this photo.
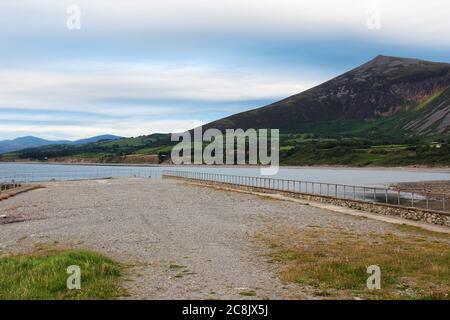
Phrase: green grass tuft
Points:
(43, 275)
(250, 293)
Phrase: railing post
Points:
(412, 199)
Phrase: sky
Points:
(80, 68)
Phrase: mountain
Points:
(105, 137)
(33, 142)
(387, 112)
(24, 142)
(414, 92)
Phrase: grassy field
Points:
(360, 152)
(334, 263)
(43, 275)
(350, 143)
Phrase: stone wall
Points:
(416, 214)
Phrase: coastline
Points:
(335, 167)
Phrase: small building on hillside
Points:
(438, 144)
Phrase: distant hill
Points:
(33, 142)
(102, 150)
(413, 92)
(105, 137)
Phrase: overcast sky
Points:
(136, 67)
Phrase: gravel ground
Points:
(180, 241)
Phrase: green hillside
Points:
(104, 152)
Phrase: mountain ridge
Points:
(380, 88)
(25, 142)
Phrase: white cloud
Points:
(84, 99)
(405, 21)
(93, 88)
(73, 132)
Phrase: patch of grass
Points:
(43, 275)
(419, 231)
(174, 266)
(336, 262)
(249, 293)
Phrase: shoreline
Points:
(335, 167)
(437, 187)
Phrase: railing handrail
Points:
(373, 195)
(282, 179)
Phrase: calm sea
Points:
(363, 176)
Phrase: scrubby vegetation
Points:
(361, 151)
(412, 266)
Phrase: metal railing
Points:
(340, 191)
